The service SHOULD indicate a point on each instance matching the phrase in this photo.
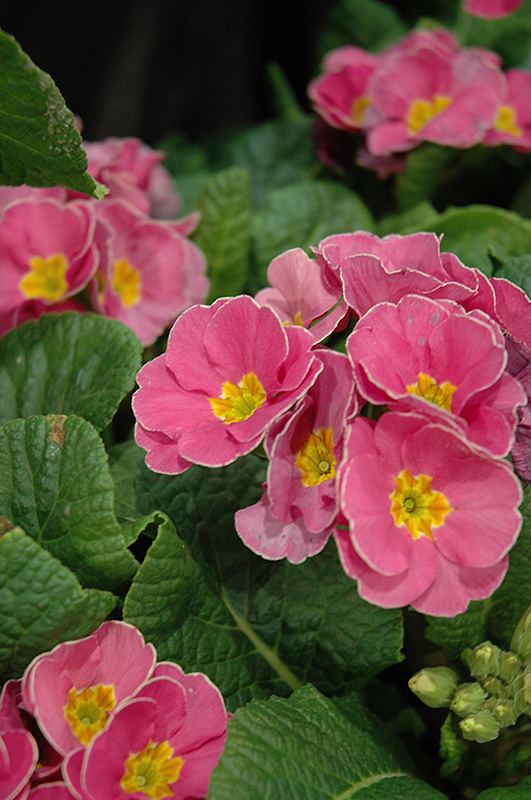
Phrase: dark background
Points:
(152, 67)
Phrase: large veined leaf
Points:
(55, 483)
(521, 791)
(69, 363)
(300, 216)
(41, 602)
(224, 233)
(253, 626)
(39, 143)
(303, 748)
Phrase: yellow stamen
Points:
(358, 109)
(439, 395)
(46, 278)
(316, 460)
(239, 402)
(86, 711)
(416, 506)
(151, 770)
(506, 121)
(126, 282)
(422, 111)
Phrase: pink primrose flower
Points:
(230, 370)
(420, 95)
(512, 123)
(297, 512)
(301, 295)
(430, 519)
(164, 742)
(411, 356)
(18, 757)
(72, 690)
(519, 365)
(11, 194)
(373, 270)
(340, 95)
(51, 791)
(491, 9)
(47, 251)
(150, 273)
(132, 171)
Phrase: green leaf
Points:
(69, 363)
(516, 269)
(509, 602)
(224, 233)
(39, 143)
(253, 626)
(187, 163)
(41, 603)
(303, 748)
(521, 791)
(275, 154)
(370, 24)
(423, 174)
(454, 634)
(452, 748)
(55, 483)
(413, 219)
(471, 232)
(300, 216)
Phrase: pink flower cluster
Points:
(397, 448)
(425, 88)
(98, 718)
(60, 250)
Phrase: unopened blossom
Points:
(421, 95)
(297, 513)
(163, 742)
(301, 295)
(491, 9)
(430, 519)
(47, 252)
(72, 690)
(411, 356)
(229, 372)
(373, 270)
(150, 272)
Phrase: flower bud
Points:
(509, 667)
(480, 727)
(468, 699)
(527, 687)
(521, 641)
(484, 660)
(435, 686)
(492, 685)
(506, 712)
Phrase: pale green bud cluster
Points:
(499, 694)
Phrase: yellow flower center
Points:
(506, 121)
(46, 278)
(421, 111)
(239, 402)
(439, 395)
(126, 282)
(316, 458)
(87, 711)
(358, 109)
(151, 770)
(414, 505)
